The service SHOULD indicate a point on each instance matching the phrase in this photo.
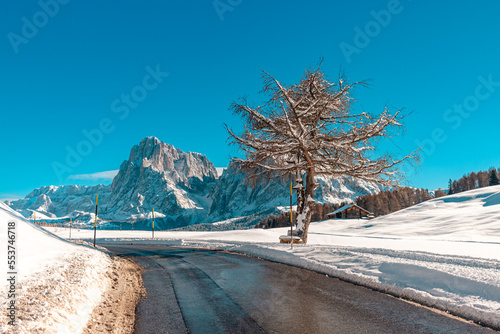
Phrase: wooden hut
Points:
(351, 211)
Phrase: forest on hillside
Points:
(474, 180)
(379, 204)
(389, 201)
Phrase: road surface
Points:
(202, 291)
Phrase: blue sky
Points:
(68, 68)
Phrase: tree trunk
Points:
(304, 217)
(299, 186)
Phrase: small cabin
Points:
(351, 211)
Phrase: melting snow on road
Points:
(443, 253)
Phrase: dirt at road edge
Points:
(116, 312)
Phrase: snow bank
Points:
(58, 283)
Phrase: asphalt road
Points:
(201, 291)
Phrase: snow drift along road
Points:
(58, 282)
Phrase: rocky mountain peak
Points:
(164, 158)
(157, 175)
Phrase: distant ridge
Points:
(183, 187)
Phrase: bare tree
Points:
(310, 129)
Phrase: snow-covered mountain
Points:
(59, 202)
(158, 175)
(182, 187)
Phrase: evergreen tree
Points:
(405, 198)
(483, 179)
(393, 202)
(377, 205)
(450, 187)
(473, 180)
(369, 203)
(425, 196)
(439, 193)
(418, 196)
(493, 177)
(384, 203)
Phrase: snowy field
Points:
(58, 283)
(443, 253)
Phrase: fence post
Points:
(95, 224)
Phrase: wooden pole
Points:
(153, 223)
(70, 221)
(291, 217)
(95, 224)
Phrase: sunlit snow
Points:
(443, 253)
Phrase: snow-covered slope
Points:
(58, 283)
(473, 214)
